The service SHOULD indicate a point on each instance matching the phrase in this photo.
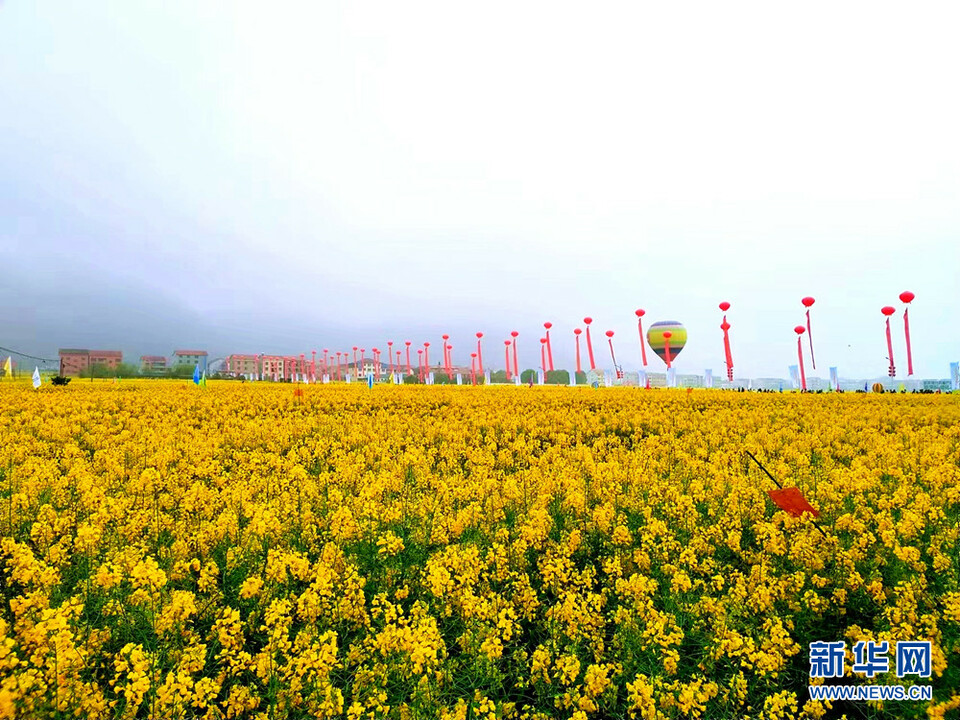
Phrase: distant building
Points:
(153, 364)
(273, 367)
(241, 364)
(74, 361)
(192, 358)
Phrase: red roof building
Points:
(74, 361)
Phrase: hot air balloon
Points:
(667, 339)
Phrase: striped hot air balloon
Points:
(666, 339)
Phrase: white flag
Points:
(36, 377)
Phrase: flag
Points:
(203, 379)
(8, 367)
(196, 374)
(36, 377)
(791, 500)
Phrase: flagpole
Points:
(752, 457)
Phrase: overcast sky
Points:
(279, 177)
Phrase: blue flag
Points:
(196, 375)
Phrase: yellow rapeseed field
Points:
(443, 552)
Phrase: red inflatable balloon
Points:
(576, 334)
(907, 297)
(887, 310)
(593, 365)
(728, 354)
(549, 325)
(640, 312)
(808, 303)
(613, 357)
(799, 330)
(666, 347)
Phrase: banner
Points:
(671, 377)
(516, 379)
(795, 376)
(708, 378)
(955, 376)
(326, 378)
(834, 379)
(486, 377)
(459, 379)
(430, 379)
(539, 377)
(642, 379)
